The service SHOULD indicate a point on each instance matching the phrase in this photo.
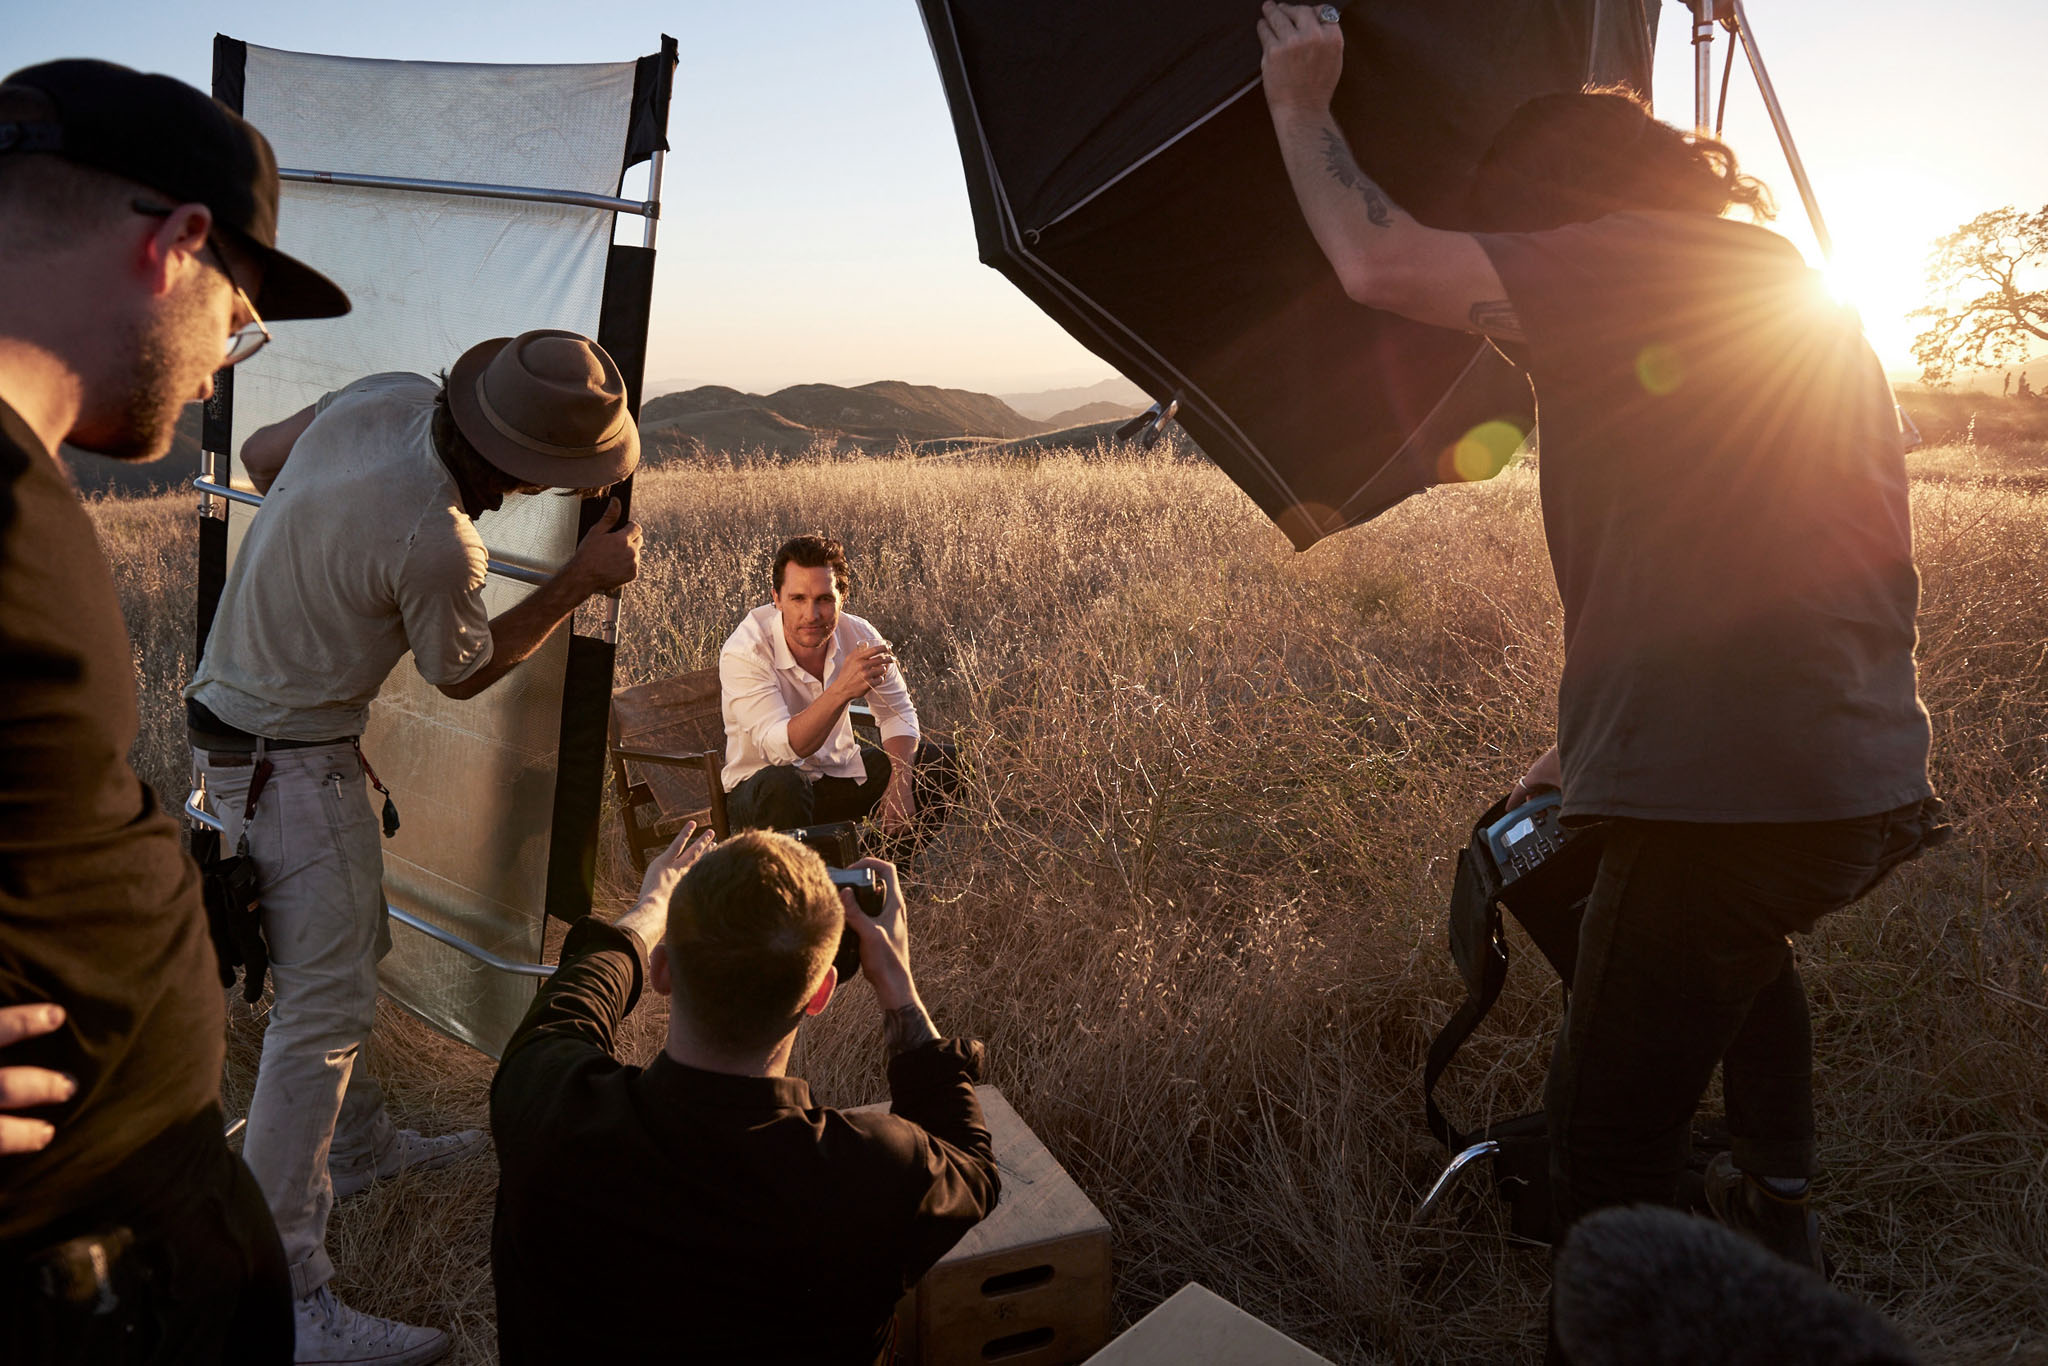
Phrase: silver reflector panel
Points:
(431, 274)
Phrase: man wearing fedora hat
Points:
(138, 230)
(364, 549)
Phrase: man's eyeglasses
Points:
(252, 336)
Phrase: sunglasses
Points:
(252, 336)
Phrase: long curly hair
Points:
(1581, 155)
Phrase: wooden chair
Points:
(667, 747)
(667, 743)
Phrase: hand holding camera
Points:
(880, 936)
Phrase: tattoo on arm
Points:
(1497, 318)
(1343, 169)
(907, 1027)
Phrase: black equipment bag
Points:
(1547, 893)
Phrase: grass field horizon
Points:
(1193, 901)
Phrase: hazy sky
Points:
(815, 224)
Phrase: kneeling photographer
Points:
(703, 1205)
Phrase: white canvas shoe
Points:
(331, 1334)
(412, 1152)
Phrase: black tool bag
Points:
(1548, 898)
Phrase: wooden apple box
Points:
(1198, 1328)
(1027, 1286)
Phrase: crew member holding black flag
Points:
(1724, 497)
(138, 222)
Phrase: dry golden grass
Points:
(1194, 900)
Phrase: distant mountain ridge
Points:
(868, 416)
(1049, 405)
(714, 417)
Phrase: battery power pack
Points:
(1526, 837)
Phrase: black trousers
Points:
(781, 797)
(1683, 965)
(189, 1270)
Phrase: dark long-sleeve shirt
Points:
(706, 1216)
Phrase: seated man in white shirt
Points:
(786, 678)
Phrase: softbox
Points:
(456, 203)
(1124, 174)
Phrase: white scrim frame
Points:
(454, 203)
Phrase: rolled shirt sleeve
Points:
(441, 599)
(895, 713)
(754, 705)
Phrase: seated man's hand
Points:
(22, 1088)
(865, 668)
(898, 805)
(608, 556)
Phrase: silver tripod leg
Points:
(1747, 38)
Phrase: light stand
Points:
(1731, 15)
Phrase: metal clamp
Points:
(1147, 427)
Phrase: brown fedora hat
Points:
(546, 407)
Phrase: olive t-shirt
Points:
(360, 552)
(99, 906)
(1724, 496)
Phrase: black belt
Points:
(209, 732)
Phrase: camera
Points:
(838, 844)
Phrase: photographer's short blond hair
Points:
(751, 930)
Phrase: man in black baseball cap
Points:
(161, 133)
(138, 229)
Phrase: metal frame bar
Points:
(1783, 130)
(210, 487)
(196, 812)
(649, 208)
(1702, 64)
(654, 166)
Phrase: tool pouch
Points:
(234, 913)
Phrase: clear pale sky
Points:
(815, 223)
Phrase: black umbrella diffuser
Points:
(1124, 175)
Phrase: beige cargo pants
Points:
(316, 844)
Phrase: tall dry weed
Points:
(1193, 898)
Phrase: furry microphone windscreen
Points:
(1650, 1284)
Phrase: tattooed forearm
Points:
(1497, 318)
(1343, 169)
(907, 1027)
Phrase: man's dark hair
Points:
(750, 930)
(814, 552)
(1580, 155)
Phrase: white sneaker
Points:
(331, 1333)
(412, 1152)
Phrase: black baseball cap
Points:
(162, 133)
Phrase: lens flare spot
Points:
(1658, 370)
(1484, 451)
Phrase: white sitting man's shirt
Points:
(761, 686)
